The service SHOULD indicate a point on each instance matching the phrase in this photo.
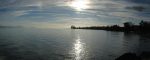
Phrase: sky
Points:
(64, 13)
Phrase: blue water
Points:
(68, 44)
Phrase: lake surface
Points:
(68, 44)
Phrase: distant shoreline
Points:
(10, 26)
(143, 27)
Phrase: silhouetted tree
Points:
(128, 24)
(73, 27)
(144, 25)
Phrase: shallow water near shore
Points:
(68, 44)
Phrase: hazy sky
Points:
(63, 13)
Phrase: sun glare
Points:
(79, 4)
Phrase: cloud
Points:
(136, 8)
(57, 13)
(140, 1)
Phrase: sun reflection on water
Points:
(79, 50)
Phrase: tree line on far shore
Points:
(144, 26)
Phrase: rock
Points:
(128, 56)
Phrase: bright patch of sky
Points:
(64, 13)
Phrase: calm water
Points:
(67, 44)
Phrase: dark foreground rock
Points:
(128, 56)
(133, 56)
(145, 56)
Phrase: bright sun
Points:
(79, 4)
